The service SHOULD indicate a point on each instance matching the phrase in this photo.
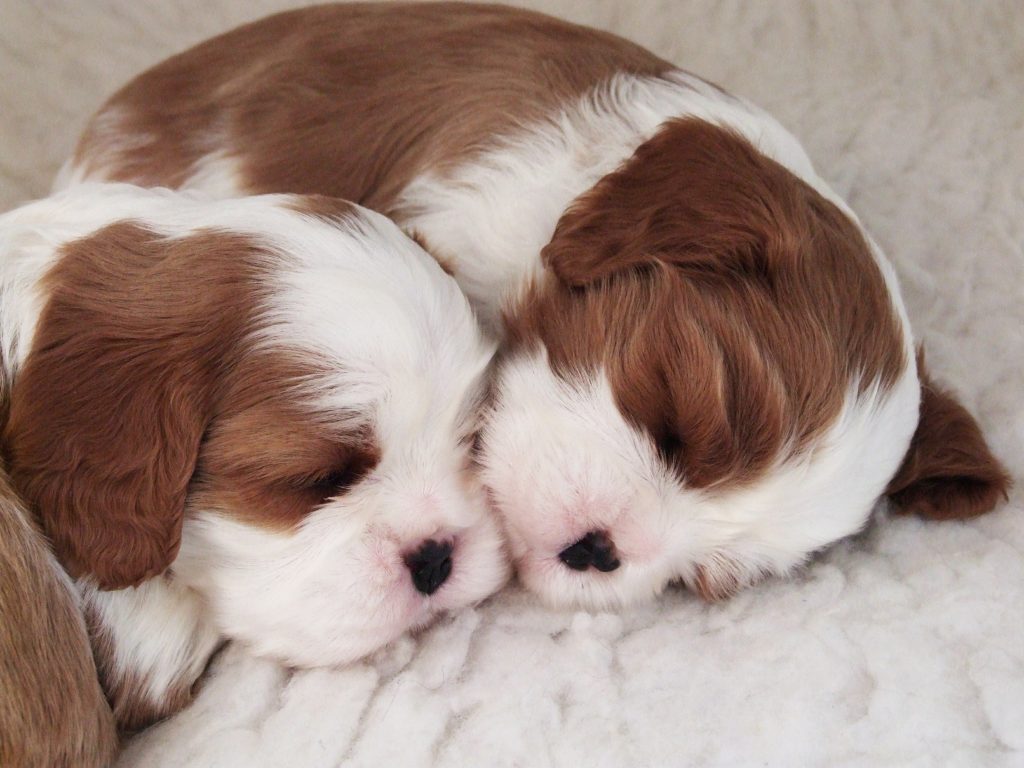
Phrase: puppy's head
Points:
(713, 379)
(271, 399)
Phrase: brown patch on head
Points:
(126, 368)
(140, 353)
(731, 306)
(949, 472)
(352, 100)
(52, 711)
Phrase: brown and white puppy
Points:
(244, 419)
(708, 374)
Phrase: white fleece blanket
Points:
(904, 646)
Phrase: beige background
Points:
(901, 647)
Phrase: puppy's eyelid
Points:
(335, 481)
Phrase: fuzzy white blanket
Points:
(904, 646)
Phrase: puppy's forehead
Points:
(273, 307)
(730, 306)
(126, 283)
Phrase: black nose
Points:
(595, 549)
(430, 565)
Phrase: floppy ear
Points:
(949, 472)
(108, 411)
(695, 196)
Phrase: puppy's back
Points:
(52, 711)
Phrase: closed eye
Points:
(338, 480)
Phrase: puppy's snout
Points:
(595, 549)
(430, 565)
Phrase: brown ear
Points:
(949, 471)
(695, 196)
(108, 411)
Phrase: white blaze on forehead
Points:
(397, 336)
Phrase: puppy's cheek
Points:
(510, 531)
(481, 567)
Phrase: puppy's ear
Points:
(695, 197)
(108, 411)
(949, 471)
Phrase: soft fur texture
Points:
(239, 419)
(900, 646)
(708, 373)
(52, 709)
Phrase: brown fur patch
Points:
(730, 304)
(271, 464)
(52, 711)
(140, 389)
(127, 366)
(353, 100)
(949, 472)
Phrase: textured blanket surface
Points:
(903, 646)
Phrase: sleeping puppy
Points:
(708, 373)
(245, 419)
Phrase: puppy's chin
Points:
(642, 573)
(333, 590)
(564, 589)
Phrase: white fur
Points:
(216, 174)
(551, 493)
(559, 458)
(902, 648)
(489, 219)
(401, 355)
(159, 631)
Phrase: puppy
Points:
(247, 419)
(708, 373)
